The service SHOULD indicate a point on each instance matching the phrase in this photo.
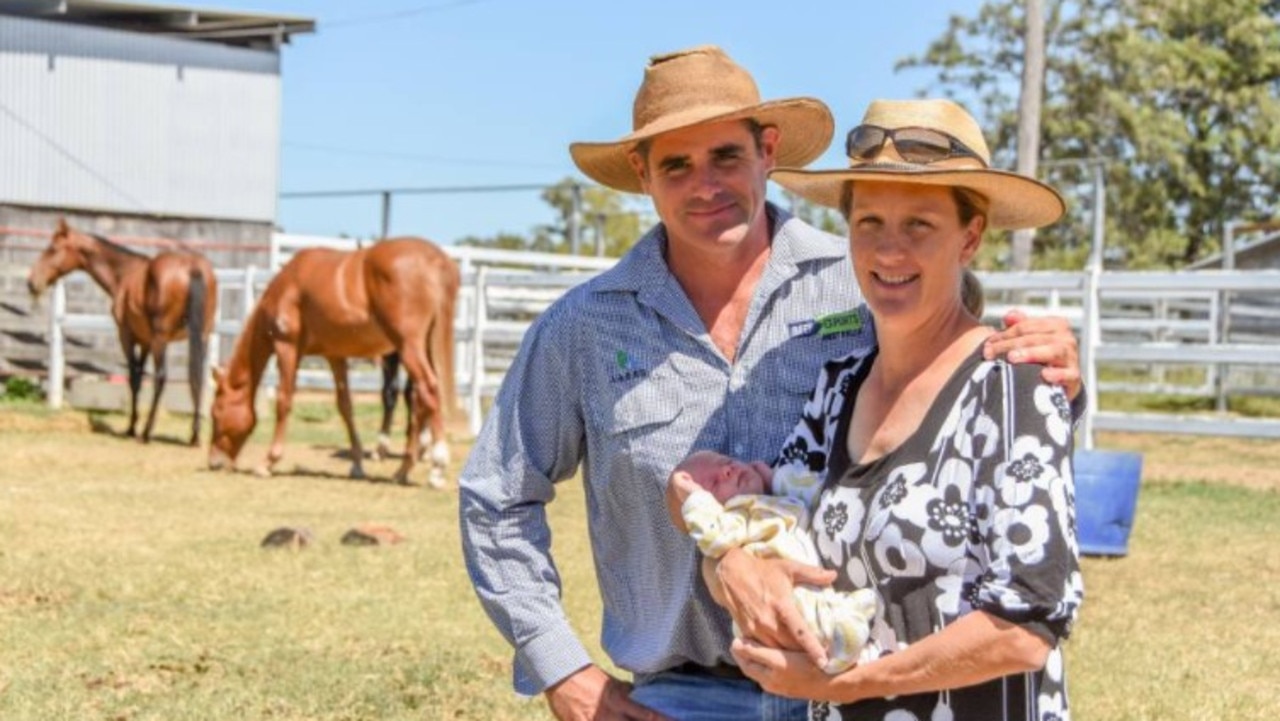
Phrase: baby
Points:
(722, 503)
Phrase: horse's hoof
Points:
(356, 473)
(382, 451)
(437, 480)
(262, 471)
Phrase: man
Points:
(708, 334)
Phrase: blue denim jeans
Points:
(685, 697)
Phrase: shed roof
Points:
(1267, 244)
(242, 29)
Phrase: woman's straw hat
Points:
(703, 85)
(1017, 201)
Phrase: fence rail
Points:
(1161, 320)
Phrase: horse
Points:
(397, 295)
(154, 300)
(390, 392)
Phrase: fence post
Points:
(1228, 264)
(480, 311)
(57, 359)
(246, 293)
(1091, 335)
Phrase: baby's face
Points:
(722, 476)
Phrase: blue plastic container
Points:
(1107, 484)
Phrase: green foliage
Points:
(603, 211)
(19, 389)
(1179, 97)
(820, 217)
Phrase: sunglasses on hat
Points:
(915, 145)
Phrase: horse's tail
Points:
(441, 350)
(197, 299)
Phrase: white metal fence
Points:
(1151, 321)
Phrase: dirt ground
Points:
(1249, 462)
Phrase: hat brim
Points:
(1017, 202)
(805, 126)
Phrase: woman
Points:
(947, 484)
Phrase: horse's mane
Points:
(116, 246)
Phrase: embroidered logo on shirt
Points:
(849, 321)
(835, 324)
(627, 369)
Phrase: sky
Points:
(449, 93)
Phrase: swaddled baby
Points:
(724, 505)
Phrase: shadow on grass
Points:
(98, 424)
(298, 471)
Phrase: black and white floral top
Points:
(975, 511)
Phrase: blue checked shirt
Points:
(621, 378)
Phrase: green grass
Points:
(132, 586)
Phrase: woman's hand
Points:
(758, 594)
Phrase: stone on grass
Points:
(371, 535)
(288, 537)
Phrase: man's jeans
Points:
(686, 697)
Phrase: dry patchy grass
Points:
(132, 586)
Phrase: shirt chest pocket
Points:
(644, 423)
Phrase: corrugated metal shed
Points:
(231, 28)
(110, 120)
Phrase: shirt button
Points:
(739, 449)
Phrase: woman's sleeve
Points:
(1027, 509)
(801, 465)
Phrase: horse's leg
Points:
(343, 392)
(424, 433)
(159, 343)
(426, 406)
(197, 301)
(390, 376)
(287, 364)
(136, 365)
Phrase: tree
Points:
(622, 219)
(1181, 97)
(818, 216)
(603, 210)
(1030, 98)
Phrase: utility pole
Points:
(575, 220)
(1029, 102)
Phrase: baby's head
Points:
(722, 476)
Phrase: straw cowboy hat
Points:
(703, 85)
(928, 142)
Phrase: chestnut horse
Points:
(154, 300)
(396, 295)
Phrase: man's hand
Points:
(757, 593)
(784, 673)
(590, 694)
(1043, 339)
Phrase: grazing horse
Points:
(396, 295)
(153, 301)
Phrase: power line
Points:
(397, 15)
(415, 157)
(439, 190)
